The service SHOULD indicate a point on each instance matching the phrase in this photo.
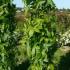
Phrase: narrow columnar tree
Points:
(40, 34)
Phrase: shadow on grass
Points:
(64, 63)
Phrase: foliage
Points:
(7, 36)
(63, 21)
(39, 35)
(65, 38)
(33, 43)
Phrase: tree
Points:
(7, 39)
(40, 34)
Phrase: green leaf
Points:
(31, 33)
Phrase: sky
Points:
(59, 3)
(62, 3)
(18, 3)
